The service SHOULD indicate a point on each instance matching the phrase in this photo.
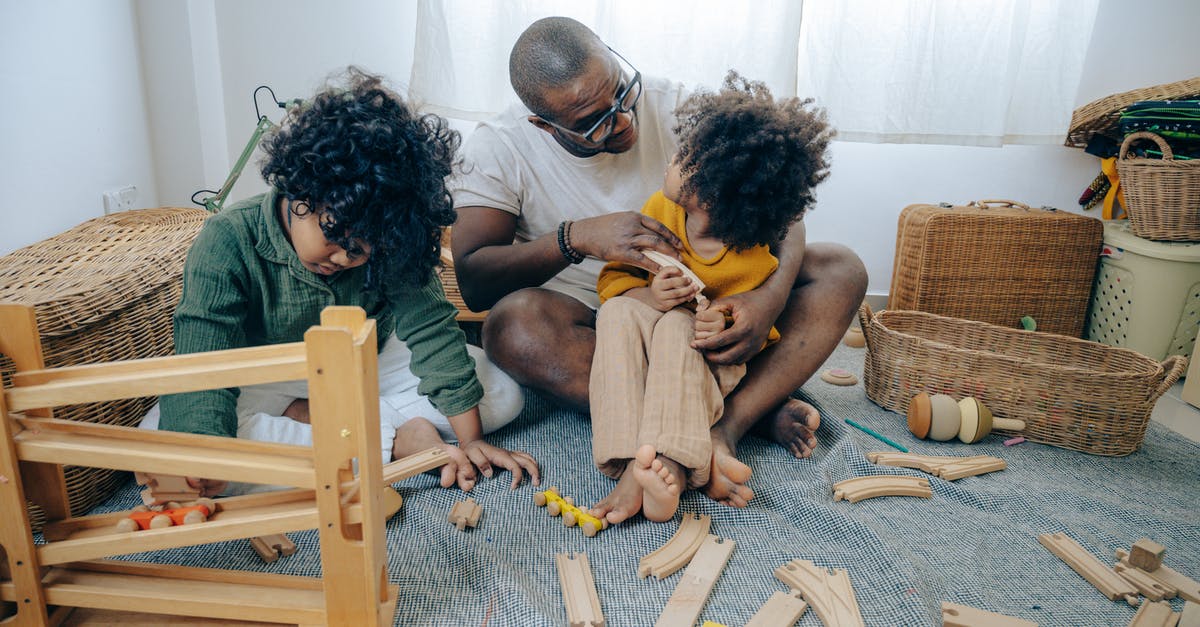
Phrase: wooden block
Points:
(955, 615)
(1146, 554)
(465, 514)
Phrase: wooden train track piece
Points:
(1190, 616)
(859, 488)
(1105, 579)
(465, 514)
(955, 615)
(828, 591)
(783, 609)
(678, 551)
(1146, 584)
(272, 547)
(1187, 587)
(691, 593)
(579, 590)
(945, 466)
(1157, 614)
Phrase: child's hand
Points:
(670, 288)
(709, 322)
(485, 456)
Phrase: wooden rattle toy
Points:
(940, 418)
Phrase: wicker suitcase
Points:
(997, 261)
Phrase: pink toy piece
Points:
(1014, 441)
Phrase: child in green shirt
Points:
(354, 217)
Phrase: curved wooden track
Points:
(944, 466)
(827, 590)
(675, 554)
(859, 488)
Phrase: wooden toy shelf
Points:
(338, 358)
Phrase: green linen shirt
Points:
(244, 285)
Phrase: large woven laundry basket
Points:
(1071, 393)
(102, 291)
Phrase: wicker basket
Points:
(1163, 194)
(450, 285)
(1102, 116)
(1071, 393)
(102, 291)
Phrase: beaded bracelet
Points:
(564, 243)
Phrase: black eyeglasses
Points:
(623, 102)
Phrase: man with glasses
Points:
(550, 191)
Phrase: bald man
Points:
(550, 191)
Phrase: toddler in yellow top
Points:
(744, 174)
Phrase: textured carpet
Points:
(974, 542)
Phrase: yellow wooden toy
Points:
(555, 505)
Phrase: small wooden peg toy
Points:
(571, 515)
(143, 517)
(940, 418)
(465, 514)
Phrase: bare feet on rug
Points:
(662, 480)
(624, 501)
(728, 477)
(418, 434)
(793, 426)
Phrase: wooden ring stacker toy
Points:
(940, 418)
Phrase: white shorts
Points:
(260, 407)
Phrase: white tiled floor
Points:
(1172, 412)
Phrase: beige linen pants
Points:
(649, 386)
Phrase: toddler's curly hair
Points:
(751, 161)
(375, 170)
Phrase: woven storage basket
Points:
(102, 291)
(1071, 393)
(450, 284)
(1102, 116)
(1163, 194)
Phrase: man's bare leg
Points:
(623, 502)
(544, 340)
(829, 289)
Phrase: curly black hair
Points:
(374, 168)
(751, 161)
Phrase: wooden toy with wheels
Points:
(939, 417)
(556, 504)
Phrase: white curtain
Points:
(968, 72)
(460, 66)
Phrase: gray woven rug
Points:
(974, 542)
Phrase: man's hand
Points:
(670, 288)
(484, 456)
(709, 322)
(621, 236)
(753, 316)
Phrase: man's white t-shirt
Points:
(512, 165)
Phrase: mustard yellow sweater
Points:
(728, 272)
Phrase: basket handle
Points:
(1000, 202)
(865, 316)
(1132, 137)
(1174, 367)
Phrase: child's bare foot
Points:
(793, 426)
(624, 501)
(418, 434)
(728, 477)
(662, 480)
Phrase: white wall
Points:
(293, 46)
(73, 116)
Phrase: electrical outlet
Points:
(120, 199)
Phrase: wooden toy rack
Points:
(338, 358)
